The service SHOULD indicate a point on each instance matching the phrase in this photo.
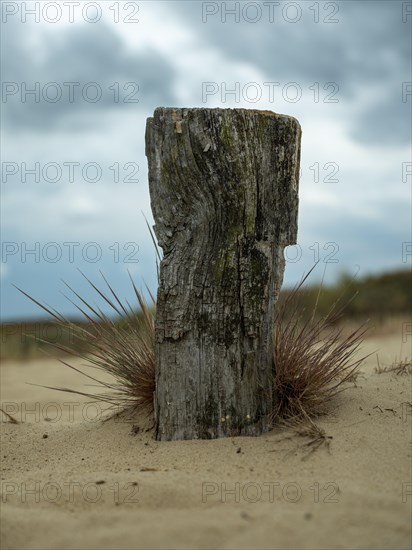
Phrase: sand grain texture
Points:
(153, 493)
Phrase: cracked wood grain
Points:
(224, 194)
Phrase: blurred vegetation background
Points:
(381, 299)
(374, 297)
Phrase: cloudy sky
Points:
(79, 81)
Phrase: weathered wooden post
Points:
(224, 194)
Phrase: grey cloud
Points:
(369, 48)
(81, 55)
(385, 121)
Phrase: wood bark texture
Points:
(224, 195)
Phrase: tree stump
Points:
(224, 194)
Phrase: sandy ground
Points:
(70, 480)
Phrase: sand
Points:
(70, 480)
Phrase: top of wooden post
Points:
(184, 110)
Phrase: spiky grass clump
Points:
(313, 360)
(122, 347)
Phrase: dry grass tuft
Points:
(123, 348)
(397, 367)
(313, 360)
(303, 426)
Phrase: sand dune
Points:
(70, 480)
